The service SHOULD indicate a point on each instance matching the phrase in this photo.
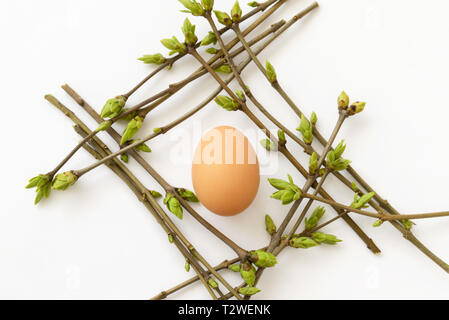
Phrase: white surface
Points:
(97, 241)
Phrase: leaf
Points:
(248, 291)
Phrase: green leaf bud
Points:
(193, 7)
(325, 238)
(128, 117)
(280, 184)
(248, 291)
(343, 101)
(124, 157)
(141, 147)
(253, 4)
(313, 163)
(248, 273)
(157, 130)
(187, 266)
(234, 267)
(362, 201)
(306, 130)
(42, 183)
(281, 137)
(188, 29)
(105, 125)
(153, 59)
(313, 118)
(269, 225)
(210, 38)
(302, 242)
(227, 103)
(38, 181)
(236, 12)
(240, 94)
(213, 284)
(170, 238)
(223, 18)
(271, 73)
(64, 180)
(408, 224)
(315, 217)
(155, 194)
(174, 45)
(354, 187)
(187, 195)
(212, 50)
(356, 107)
(266, 143)
(207, 4)
(173, 205)
(113, 107)
(378, 223)
(262, 259)
(131, 129)
(224, 68)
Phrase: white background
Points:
(98, 241)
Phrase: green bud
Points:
(354, 187)
(280, 184)
(210, 38)
(325, 238)
(42, 183)
(113, 107)
(248, 273)
(188, 195)
(105, 125)
(224, 68)
(334, 161)
(173, 205)
(212, 50)
(306, 130)
(131, 129)
(170, 238)
(313, 118)
(262, 258)
(241, 95)
(408, 224)
(187, 266)
(141, 147)
(343, 101)
(271, 73)
(38, 181)
(174, 45)
(248, 291)
(124, 157)
(286, 196)
(157, 130)
(269, 225)
(356, 107)
(213, 283)
(266, 143)
(377, 223)
(254, 4)
(155, 194)
(188, 29)
(153, 59)
(313, 163)
(129, 116)
(193, 7)
(281, 137)
(223, 18)
(340, 149)
(207, 4)
(234, 267)
(360, 203)
(227, 103)
(302, 243)
(64, 180)
(322, 172)
(236, 12)
(315, 217)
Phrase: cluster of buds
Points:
(187, 195)
(354, 108)
(288, 191)
(188, 29)
(262, 259)
(312, 241)
(42, 183)
(194, 7)
(334, 160)
(209, 39)
(64, 180)
(113, 107)
(157, 59)
(174, 45)
(173, 205)
(271, 73)
(362, 202)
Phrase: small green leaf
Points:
(209, 39)
(187, 266)
(234, 267)
(240, 94)
(173, 205)
(227, 103)
(105, 125)
(212, 51)
(113, 107)
(213, 283)
(269, 225)
(187, 195)
(354, 187)
(325, 238)
(313, 163)
(224, 68)
(155, 194)
(378, 223)
(306, 130)
(302, 242)
(141, 147)
(267, 144)
(193, 7)
(131, 129)
(207, 4)
(314, 218)
(174, 45)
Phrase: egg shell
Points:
(225, 171)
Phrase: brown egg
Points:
(225, 171)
